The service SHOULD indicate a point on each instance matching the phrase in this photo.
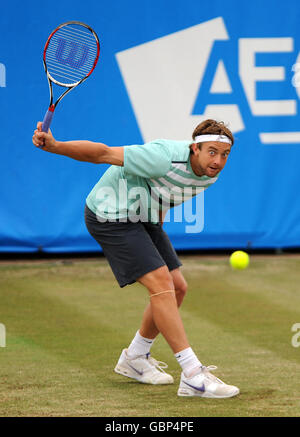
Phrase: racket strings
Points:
(71, 54)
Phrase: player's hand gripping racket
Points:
(71, 54)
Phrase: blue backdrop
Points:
(164, 66)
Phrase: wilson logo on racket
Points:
(71, 49)
(70, 56)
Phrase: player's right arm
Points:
(89, 151)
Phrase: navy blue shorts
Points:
(132, 249)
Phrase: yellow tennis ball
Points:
(239, 260)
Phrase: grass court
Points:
(67, 322)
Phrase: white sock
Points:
(188, 361)
(139, 345)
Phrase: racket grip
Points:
(47, 119)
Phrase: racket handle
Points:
(48, 118)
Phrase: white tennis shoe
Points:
(144, 369)
(205, 385)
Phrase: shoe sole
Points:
(191, 393)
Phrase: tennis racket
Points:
(70, 56)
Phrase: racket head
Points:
(71, 53)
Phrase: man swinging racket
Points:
(136, 246)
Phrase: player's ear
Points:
(194, 147)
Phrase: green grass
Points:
(67, 323)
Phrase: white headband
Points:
(221, 138)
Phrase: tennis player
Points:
(136, 246)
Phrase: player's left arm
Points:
(82, 150)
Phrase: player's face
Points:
(210, 159)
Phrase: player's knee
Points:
(181, 290)
(165, 282)
(158, 280)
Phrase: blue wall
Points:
(164, 66)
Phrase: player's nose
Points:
(217, 160)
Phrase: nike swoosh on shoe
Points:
(136, 370)
(202, 388)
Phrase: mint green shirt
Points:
(155, 176)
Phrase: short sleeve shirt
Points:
(155, 176)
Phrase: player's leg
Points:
(166, 250)
(166, 317)
(144, 338)
(148, 329)
(135, 358)
(163, 316)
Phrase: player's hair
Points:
(212, 127)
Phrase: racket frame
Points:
(52, 106)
